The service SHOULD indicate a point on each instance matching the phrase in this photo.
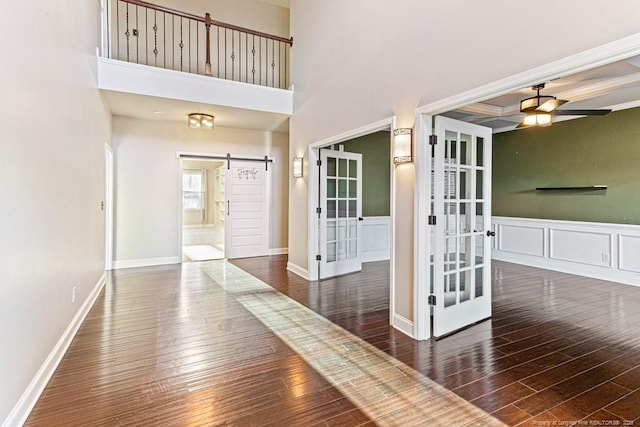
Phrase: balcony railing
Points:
(145, 33)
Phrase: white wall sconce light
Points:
(402, 145)
(201, 121)
(297, 167)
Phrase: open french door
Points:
(462, 213)
(247, 211)
(340, 212)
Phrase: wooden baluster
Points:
(207, 25)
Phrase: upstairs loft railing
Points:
(145, 33)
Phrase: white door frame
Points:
(313, 191)
(108, 207)
(214, 157)
(601, 55)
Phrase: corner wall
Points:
(148, 192)
(53, 130)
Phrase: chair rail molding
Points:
(598, 250)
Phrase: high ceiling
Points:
(164, 109)
(615, 86)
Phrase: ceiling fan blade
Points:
(550, 105)
(580, 112)
(522, 125)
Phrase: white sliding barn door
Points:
(247, 210)
(462, 208)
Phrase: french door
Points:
(246, 211)
(461, 203)
(340, 212)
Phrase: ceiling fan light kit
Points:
(539, 109)
(534, 118)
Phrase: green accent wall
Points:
(376, 171)
(581, 152)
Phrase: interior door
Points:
(340, 213)
(247, 211)
(462, 208)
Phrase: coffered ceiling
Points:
(615, 86)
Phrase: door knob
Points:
(360, 218)
(491, 233)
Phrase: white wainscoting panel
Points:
(375, 238)
(599, 250)
(585, 247)
(629, 249)
(521, 240)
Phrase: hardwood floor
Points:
(206, 344)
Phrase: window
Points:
(192, 190)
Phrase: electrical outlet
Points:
(73, 295)
(605, 257)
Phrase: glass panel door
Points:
(341, 212)
(461, 279)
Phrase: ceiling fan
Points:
(539, 109)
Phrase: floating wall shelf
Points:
(585, 188)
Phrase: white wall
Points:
(148, 186)
(53, 129)
(378, 58)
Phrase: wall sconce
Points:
(402, 145)
(297, 167)
(201, 121)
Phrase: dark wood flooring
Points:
(165, 346)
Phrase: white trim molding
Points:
(145, 262)
(21, 411)
(376, 236)
(601, 55)
(403, 324)
(599, 250)
(296, 269)
(314, 184)
(278, 251)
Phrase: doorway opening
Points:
(498, 106)
(203, 210)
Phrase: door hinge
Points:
(433, 139)
(432, 300)
(318, 210)
(319, 163)
(318, 258)
(432, 220)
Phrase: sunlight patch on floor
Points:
(385, 389)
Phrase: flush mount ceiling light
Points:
(200, 121)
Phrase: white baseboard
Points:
(145, 262)
(598, 250)
(279, 251)
(295, 269)
(21, 411)
(196, 226)
(403, 324)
